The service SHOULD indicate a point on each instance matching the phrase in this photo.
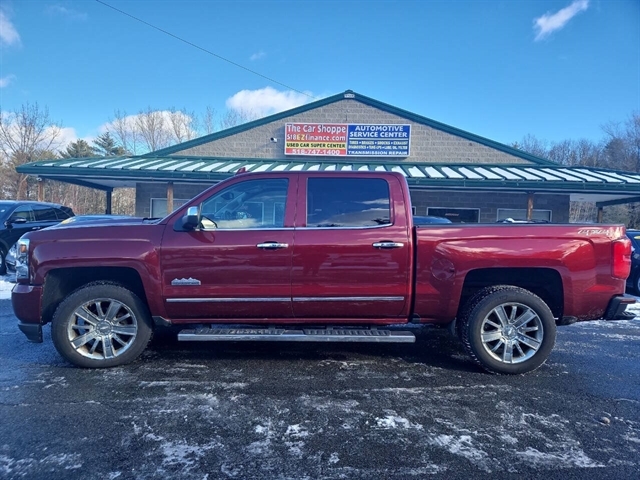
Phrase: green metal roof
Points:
(107, 173)
(351, 95)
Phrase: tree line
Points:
(618, 149)
(28, 134)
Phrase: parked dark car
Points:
(20, 217)
(99, 219)
(633, 281)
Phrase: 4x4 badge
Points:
(185, 281)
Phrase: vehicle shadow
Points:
(434, 347)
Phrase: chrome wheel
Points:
(512, 333)
(102, 329)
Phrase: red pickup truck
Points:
(316, 256)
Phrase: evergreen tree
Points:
(105, 146)
(78, 149)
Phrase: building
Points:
(451, 173)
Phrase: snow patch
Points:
(392, 421)
(5, 288)
(572, 458)
(296, 431)
(463, 446)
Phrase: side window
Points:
(62, 213)
(250, 204)
(348, 202)
(23, 211)
(44, 214)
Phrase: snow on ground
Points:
(5, 286)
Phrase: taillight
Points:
(621, 258)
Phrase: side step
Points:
(289, 335)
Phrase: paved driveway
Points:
(205, 411)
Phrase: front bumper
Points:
(27, 302)
(616, 308)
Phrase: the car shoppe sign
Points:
(347, 140)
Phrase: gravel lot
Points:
(278, 411)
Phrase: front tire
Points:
(101, 325)
(507, 329)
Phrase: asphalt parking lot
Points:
(278, 411)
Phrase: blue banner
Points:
(378, 140)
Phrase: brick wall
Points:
(427, 144)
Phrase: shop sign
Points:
(347, 139)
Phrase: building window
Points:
(159, 206)
(520, 215)
(456, 215)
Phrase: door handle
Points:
(272, 245)
(35, 228)
(388, 245)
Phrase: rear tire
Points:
(636, 285)
(507, 329)
(101, 325)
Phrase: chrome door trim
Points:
(286, 299)
(366, 227)
(347, 299)
(222, 300)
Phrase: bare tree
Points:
(209, 120)
(152, 129)
(26, 133)
(123, 128)
(183, 125)
(231, 118)
(533, 145)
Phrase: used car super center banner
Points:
(347, 139)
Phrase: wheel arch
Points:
(546, 283)
(61, 282)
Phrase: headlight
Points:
(22, 259)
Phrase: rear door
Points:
(352, 254)
(237, 264)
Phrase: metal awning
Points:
(583, 183)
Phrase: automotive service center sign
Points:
(347, 139)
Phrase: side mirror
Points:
(18, 221)
(190, 220)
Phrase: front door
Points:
(352, 252)
(237, 263)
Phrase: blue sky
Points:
(555, 69)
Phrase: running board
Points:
(305, 335)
